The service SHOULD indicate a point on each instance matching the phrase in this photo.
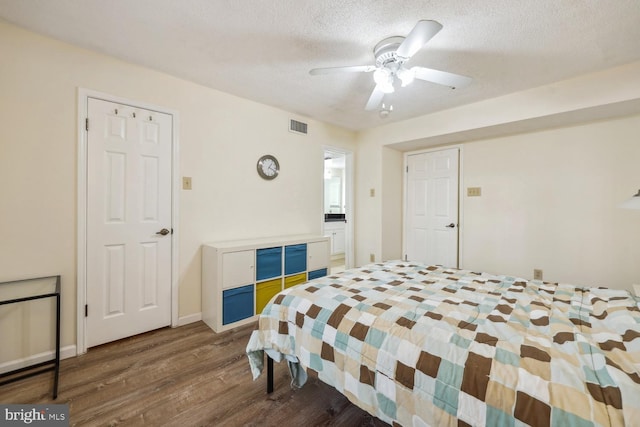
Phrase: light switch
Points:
(186, 183)
(537, 274)
(474, 191)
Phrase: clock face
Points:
(268, 167)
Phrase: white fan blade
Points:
(441, 77)
(418, 37)
(375, 99)
(352, 69)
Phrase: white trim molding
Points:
(65, 353)
(190, 318)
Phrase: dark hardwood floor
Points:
(186, 376)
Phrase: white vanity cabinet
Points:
(240, 277)
(335, 230)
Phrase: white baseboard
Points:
(191, 318)
(65, 353)
(70, 350)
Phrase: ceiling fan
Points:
(391, 54)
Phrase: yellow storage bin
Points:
(295, 280)
(265, 291)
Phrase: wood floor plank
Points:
(183, 377)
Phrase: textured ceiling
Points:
(263, 50)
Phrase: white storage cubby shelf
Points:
(240, 277)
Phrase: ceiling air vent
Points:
(297, 127)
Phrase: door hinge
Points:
(405, 257)
(86, 124)
(407, 169)
(86, 310)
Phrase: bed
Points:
(418, 345)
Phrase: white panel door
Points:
(128, 207)
(432, 208)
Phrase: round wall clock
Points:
(268, 167)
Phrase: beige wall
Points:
(392, 176)
(368, 209)
(221, 138)
(608, 93)
(549, 197)
(549, 201)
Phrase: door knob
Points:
(452, 225)
(164, 232)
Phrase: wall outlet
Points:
(372, 192)
(636, 290)
(537, 274)
(186, 183)
(474, 191)
(372, 257)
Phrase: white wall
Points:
(221, 138)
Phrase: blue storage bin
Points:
(269, 263)
(317, 273)
(237, 304)
(295, 258)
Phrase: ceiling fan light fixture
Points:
(391, 55)
(406, 76)
(384, 80)
(381, 76)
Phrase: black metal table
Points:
(49, 365)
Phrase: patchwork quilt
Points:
(419, 345)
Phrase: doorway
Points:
(127, 208)
(337, 213)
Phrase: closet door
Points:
(129, 221)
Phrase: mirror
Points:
(334, 197)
